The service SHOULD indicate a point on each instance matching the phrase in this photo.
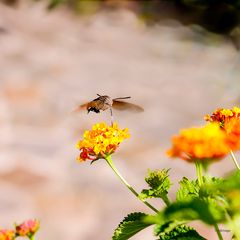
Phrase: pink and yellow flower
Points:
(203, 143)
(7, 234)
(100, 141)
(27, 228)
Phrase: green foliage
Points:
(170, 231)
(208, 202)
(159, 184)
(188, 190)
(79, 6)
(130, 225)
(208, 191)
(230, 183)
(207, 211)
(191, 189)
(54, 3)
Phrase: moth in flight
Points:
(104, 102)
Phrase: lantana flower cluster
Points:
(208, 142)
(100, 141)
(26, 229)
(212, 141)
(229, 121)
(7, 234)
(222, 115)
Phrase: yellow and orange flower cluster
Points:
(27, 228)
(229, 121)
(203, 143)
(223, 115)
(101, 141)
(7, 234)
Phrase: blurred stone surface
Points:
(52, 61)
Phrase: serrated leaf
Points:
(232, 182)
(208, 210)
(130, 225)
(188, 190)
(210, 188)
(180, 232)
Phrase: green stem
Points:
(199, 168)
(233, 227)
(32, 237)
(220, 237)
(166, 200)
(234, 160)
(199, 172)
(110, 163)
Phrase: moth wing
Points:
(80, 108)
(121, 105)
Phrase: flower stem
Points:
(166, 200)
(199, 172)
(199, 168)
(232, 225)
(234, 160)
(220, 237)
(111, 164)
(32, 237)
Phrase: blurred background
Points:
(178, 59)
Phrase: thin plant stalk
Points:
(220, 237)
(111, 164)
(166, 200)
(199, 172)
(233, 227)
(234, 160)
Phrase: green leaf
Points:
(232, 182)
(188, 190)
(54, 3)
(230, 187)
(130, 225)
(208, 210)
(180, 232)
(210, 188)
(159, 184)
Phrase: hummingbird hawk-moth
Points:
(104, 102)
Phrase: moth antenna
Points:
(121, 98)
(99, 95)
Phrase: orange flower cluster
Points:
(7, 234)
(204, 143)
(102, 140)
(222, 115)
(26, 229)
(229, 121)
(232, 129)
